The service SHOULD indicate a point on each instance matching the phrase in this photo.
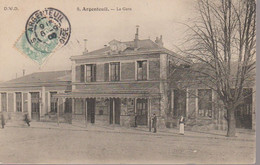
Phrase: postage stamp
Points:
(45, 31)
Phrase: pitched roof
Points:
(144, 47)
(41, 77)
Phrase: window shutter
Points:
(82, 73)
(77, 73)
(94, 72)
(144, 70)
(118, 72)
(106, 71)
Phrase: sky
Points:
(155, 18)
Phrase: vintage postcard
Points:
(128, 82)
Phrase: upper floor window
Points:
(142, 70)
(90, 73)
(205, 102)
(114, 71)
(18, 97)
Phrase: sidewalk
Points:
(242, 135)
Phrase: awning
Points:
(107, 95)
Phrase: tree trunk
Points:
(231, 132)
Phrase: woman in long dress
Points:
(181, 123)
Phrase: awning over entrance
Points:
(108, 95)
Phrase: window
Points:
(53, 102)
(179, 102)
(82, 73)
(18, 101)
(35, 102)
(79, 106)
(3, 102)
(90, 73)
(114, 71)
(141, 107)
(142, 70)
(205, 102)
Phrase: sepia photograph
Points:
(128, 82)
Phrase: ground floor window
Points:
(79, 106)
(243, 112)
(54, 102)
(205, 102)
(3, 102)
(68, 105)
(179, 108)
(18, 98)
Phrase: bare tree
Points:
(223, 41)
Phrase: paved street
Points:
(49, 143)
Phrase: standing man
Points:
(3, 120)
(154, 121)
(26, 119)
(135, 120)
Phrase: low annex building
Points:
(123, 83)
(33, 94)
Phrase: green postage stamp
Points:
(45, 31)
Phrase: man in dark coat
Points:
(2, 120)
(154, 122)
(135, 120)
(26, 119)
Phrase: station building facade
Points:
(123, 83)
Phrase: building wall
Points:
(195, 121)
(152, 87)
(26, 99)
(127, 67)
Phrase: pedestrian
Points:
(181, 123)
(2, 120)
(154, 122)
(26, 119)
(135, 120)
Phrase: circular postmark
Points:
(47, 30)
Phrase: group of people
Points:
(154, 123)
(3, 119)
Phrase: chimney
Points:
(85, 49)
(159, 41)
(23, 72)
(136, 37)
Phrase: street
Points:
(60, 145)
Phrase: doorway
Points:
(117, 107)
(91, 103)
(141, 111)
